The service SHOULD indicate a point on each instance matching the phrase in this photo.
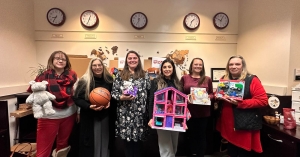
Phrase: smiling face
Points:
(197, 66)
(97, 68)
(235, 67)
(132, 61)
(59, 61)
(167, 70)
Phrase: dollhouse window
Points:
(160, 109)
(178, 123)
(179, 98)
(160, 97)
(179, 110)
(159, 121)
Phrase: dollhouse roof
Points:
(172, 89)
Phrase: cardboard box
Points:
(21, 113)
(25, 106)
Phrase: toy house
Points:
(233, 89)
(170, 114)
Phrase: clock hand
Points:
(221, 18)
(88, 20)
(192, 22)
(138, 21)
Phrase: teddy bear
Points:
(40, 99)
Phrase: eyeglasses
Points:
(60, 59)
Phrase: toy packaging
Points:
(199, 96)
(129, 89)
(170, 114)
(233, 89)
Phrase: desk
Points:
(277, 141)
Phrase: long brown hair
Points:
(138, 71)
(202, 72)
(244, 73)
(161, 83)
(51, 58)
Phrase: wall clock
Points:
(56, 17)
(139, 20)
(221, 20)
(191, 21)
(89, 19)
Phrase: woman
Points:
(198, 122)
(94, 120)
(254, 97)
(131, 123)
(59, 125)
(167, 140)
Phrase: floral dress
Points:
(132, 115)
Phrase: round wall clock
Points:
(89, 19)
(138, 20)
(221, 20)
(191, 21)
(56, 17)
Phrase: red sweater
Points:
(197, 111)
(248, 140)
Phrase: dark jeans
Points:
(196, 134)
(235, 151)
(132, 149)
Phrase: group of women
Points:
(133, 112)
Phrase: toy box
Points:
(231, 88)
(170, 114)
(129, 89)
(199, 96)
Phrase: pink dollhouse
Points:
(169, 114)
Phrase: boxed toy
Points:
(129, 88)
(233, 89)
(199, 96)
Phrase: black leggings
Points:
(234, 151)
(132, 149)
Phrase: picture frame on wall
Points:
(216, 74)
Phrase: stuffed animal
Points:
(40, 99)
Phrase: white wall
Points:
(164, 32)
(265, 41)
(17, 45)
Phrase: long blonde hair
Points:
(86, 82)
(244, 73)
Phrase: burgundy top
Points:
(197, 111)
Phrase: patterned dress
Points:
(132, 115)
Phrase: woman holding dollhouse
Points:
(96, 122)
(132, 117)
(167, 140)
(254, 97)
(197, 124)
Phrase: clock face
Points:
(191, 21)
(221, 20)
(56, 17)
(138, 20)
(89, 19)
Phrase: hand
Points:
(54, 18)
(191, 22)
(189, 98)
(96, 108)
(232, 101)
(107, 106)
(126, 97)
(150, 122)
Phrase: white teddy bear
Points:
(40, 99)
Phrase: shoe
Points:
(62, 152)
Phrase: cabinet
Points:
(4, 130)
(277, 141)
(296, 104)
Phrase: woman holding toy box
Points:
(167, 140)
(59, 125)
(131, 88)
(254, 97)
(197, 124)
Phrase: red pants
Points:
(48, 130)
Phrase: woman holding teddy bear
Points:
(59, 125)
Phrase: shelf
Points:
(170, 129)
